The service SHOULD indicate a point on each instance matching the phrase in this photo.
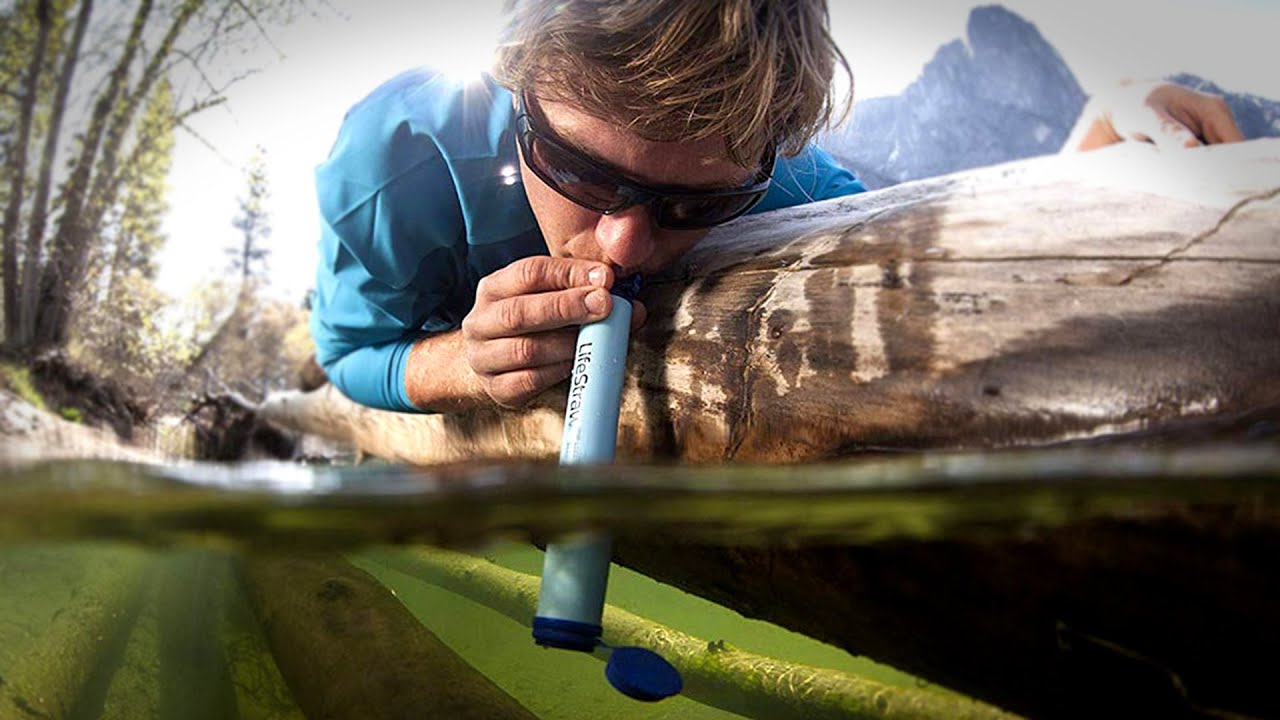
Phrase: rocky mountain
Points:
(1001, 93)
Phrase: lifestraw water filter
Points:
(575, 571)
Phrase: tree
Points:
(249, 257)
(44, 179)
(261, 344)
(138, 236)
(43, 268)
(116, 330)
(249, 254)
(16, 158)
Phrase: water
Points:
(289, 591)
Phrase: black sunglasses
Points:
(600, 189)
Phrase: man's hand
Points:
(1168, 115)
(519, 337)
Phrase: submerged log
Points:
(714, 673)
(196, 650)
(1158, 613)
(349, 649)
(1050, 300)
(261, 691)
(49, 677)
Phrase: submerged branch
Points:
(349, 649)
(715, 673)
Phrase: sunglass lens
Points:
(689, 213)
(579, 181)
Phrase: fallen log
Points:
(1155, 612)
(49, 676)
(714, 674)
(261, 691)
(194, 675)
(195, 650)
(1050, 300)
(134, 688)
(349, 649)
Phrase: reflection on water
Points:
(286, 591)
(281, 504)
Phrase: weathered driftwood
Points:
(1054, 299)
(349, 649)
(48, 678)
(715, 674)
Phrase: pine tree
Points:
(249, 257)
(248, 261)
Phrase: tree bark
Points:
(1057, 299)
(17, 166)
(70, 246)
(106, 181)
(349, 649)
(714, 674)
(30, 284)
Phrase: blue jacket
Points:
(419, 199)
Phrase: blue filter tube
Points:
(575, 571)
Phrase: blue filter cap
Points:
(642, 674)
(628, 287)
(565, 634)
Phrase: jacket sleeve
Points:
(392, 247)
(808, 177)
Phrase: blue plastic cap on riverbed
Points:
(642, 674)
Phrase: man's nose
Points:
(626, 237)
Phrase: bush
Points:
(71, 414)
(18, 381)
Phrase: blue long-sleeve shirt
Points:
(419, 199)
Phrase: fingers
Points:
(639, 314)
(1190, 118)
(1165, 114)
(526, 351)
(520, 335)
(528, 314)
(515, 389)
(542, 274)
(1219, 125)
(1173, 134)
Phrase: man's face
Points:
(629, 240)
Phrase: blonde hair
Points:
(755, 72)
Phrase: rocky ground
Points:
(29, 434)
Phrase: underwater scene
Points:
(1048, 583)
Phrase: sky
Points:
(317, 67)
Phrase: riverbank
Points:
(30, 434)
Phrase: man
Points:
(470, 228)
